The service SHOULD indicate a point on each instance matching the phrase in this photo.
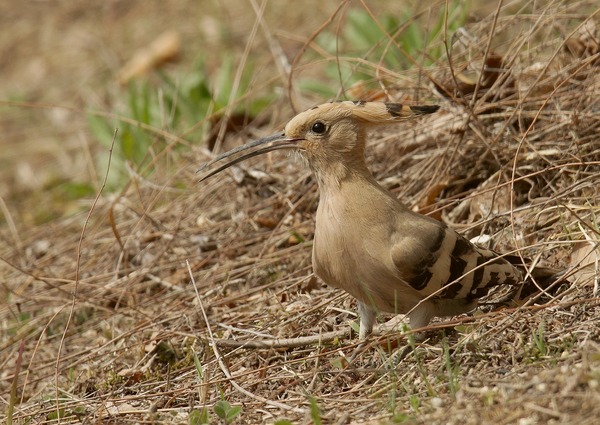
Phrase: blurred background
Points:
(71, 72)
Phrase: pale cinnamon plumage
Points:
(367, 242)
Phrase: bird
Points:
(369, 243)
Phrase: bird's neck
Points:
(333, 175)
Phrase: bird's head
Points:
(328, 134)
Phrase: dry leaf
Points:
(312, 284)
(427, 204)
(586, 43)
(467, 79)
(585, 258)
(163, 49)
(359, 91)
(268, 222)
(235, 124)
(534, 80)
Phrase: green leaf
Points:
(221, 407)
(223, 83)
(56, 414)
(102, 130)
(315, 413)
(338, 363)
(320, 88)
(129, 148)
(198, 417)
(233, 412)
(76, 190)
(226, 411)
(198, 365)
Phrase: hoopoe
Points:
(366, 241)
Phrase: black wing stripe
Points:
(421, 280)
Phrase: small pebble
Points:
(437, 402)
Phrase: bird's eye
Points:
(318, 128)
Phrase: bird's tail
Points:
(540, 283)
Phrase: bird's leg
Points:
(367, 320)
(420, 317)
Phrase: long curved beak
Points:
(268, 144)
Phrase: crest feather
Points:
(386, 113)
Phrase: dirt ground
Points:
(102, 323)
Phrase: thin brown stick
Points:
(77, 271)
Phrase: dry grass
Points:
(111, 327)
